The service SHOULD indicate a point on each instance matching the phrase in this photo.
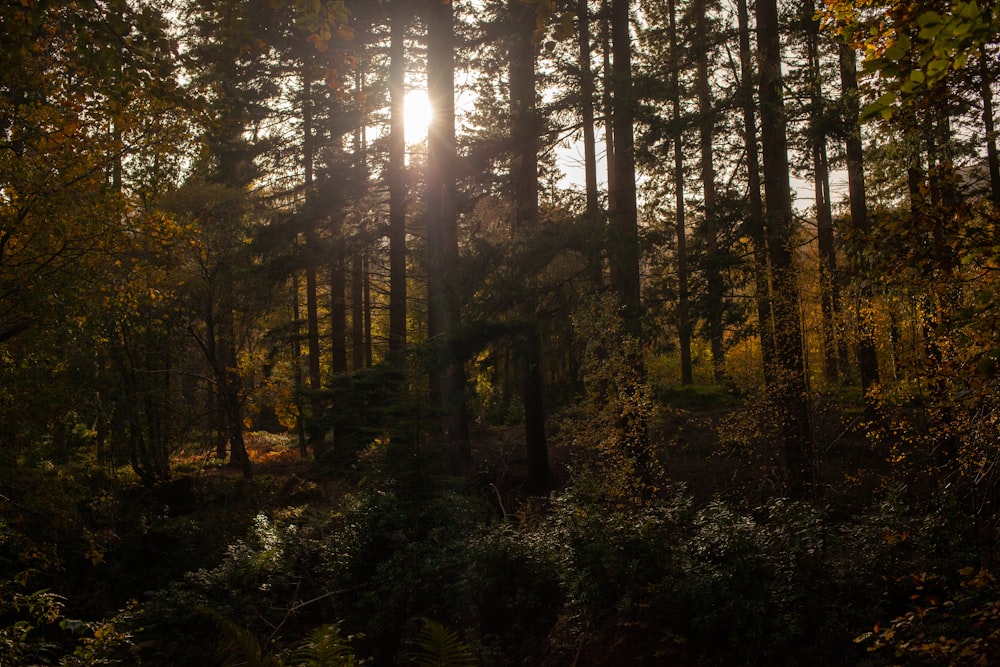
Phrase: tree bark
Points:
(623, 228)
(829, 296)
(684, 327)
(706, 129)
(525, 127)
(442, 229)
(868, 370)
(755, 205)
(317, 438)
(593, 220)
(788, 390)
(396, 177)
(989, 124)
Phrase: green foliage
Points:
(911, 46)
(614, 415)
(437, 646)
(325, 646)
(36, 631)
(953, 621)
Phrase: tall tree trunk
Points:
(788, 390)
(358, 278)
(989, 123)
(338, 307)
(829, 296)
(706, 130)
(867, 358)
(623, 228)
(317, 438)
(442, 229)
(606, 100)
(623, 238)
(525, 128)
(593, 219)
(396, 177)
(297, 357)
(587, 108)
(684, 327)
(366, 267)
(755, 219)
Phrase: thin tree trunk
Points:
(623, 228)
(684, 327)
(706, 129)
(297, 357)
(755, 219)
(366, 267)
(524, 181)
(317, 438)
(338, 309)
(607, 102)
(829, 301)
(396, 177)
(442, 229)
(593, 219)
(358, 279)
(989, 123)
(868, 370)
(788, 391)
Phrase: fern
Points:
(326, 647)
(437, 646)
(238, 647)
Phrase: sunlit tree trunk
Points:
(297, 358)
(442, 229)
(317, 439)
(594, 220)
(684, 327)
(829, 293)
(397, 181)
(755, 205)
(623, 227)
(358, 279)
(525, 128)
(788, 388)
(989, 123)
(868, 370)
(607, 102)
(338, 309)
(706, 129)
(367, 299)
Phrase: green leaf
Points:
(936, 68)
(894, 52)
(928, 19)
(930, 32)
(437, 646)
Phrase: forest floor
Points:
(710, 448)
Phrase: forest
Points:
(499, 332)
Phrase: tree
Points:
(442, 229)
(525, 126)
(754, 224)
(788, 388)
(396, 177)
(623, 226)
(706, 123)
(861, 228)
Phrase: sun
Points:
(418, 115)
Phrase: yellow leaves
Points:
(896, 538)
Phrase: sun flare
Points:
(418, 116)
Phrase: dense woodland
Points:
(672, 341)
